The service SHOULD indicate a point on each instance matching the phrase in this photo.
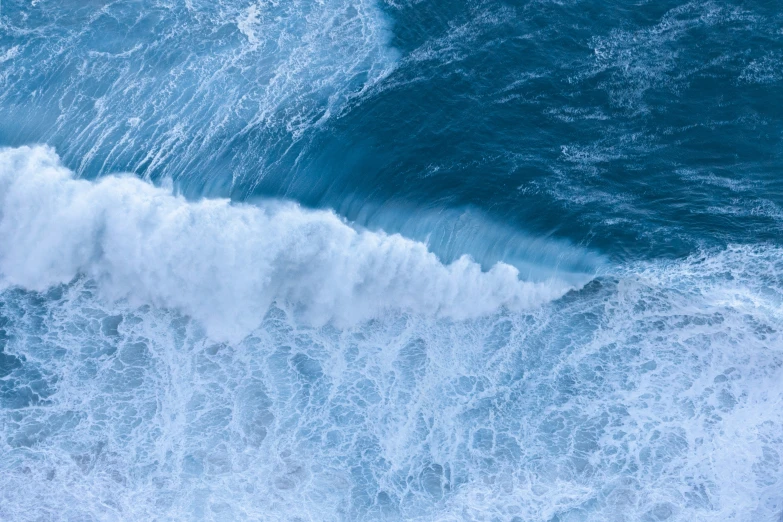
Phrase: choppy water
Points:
(381, 260)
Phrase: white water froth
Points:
(651, 396)
(225, 264)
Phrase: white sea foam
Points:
(225, 264)
(651, 395)
(433, 392)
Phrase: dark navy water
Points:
(380, 260)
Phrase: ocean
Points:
(359, 260)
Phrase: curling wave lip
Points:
(225, 264)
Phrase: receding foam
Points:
(234, 82)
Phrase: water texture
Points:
(391, 260)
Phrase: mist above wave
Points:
(225, 264)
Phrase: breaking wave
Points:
(225, 264)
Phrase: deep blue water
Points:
(381, 260)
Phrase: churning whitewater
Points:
(224, 264)
(359, 260)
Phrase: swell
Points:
(224, 264)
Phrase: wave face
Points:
(391, 260)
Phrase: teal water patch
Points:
(644, 132)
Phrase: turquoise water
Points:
(382, 260)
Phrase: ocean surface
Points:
(363, 260)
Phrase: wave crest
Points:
(224, 264)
